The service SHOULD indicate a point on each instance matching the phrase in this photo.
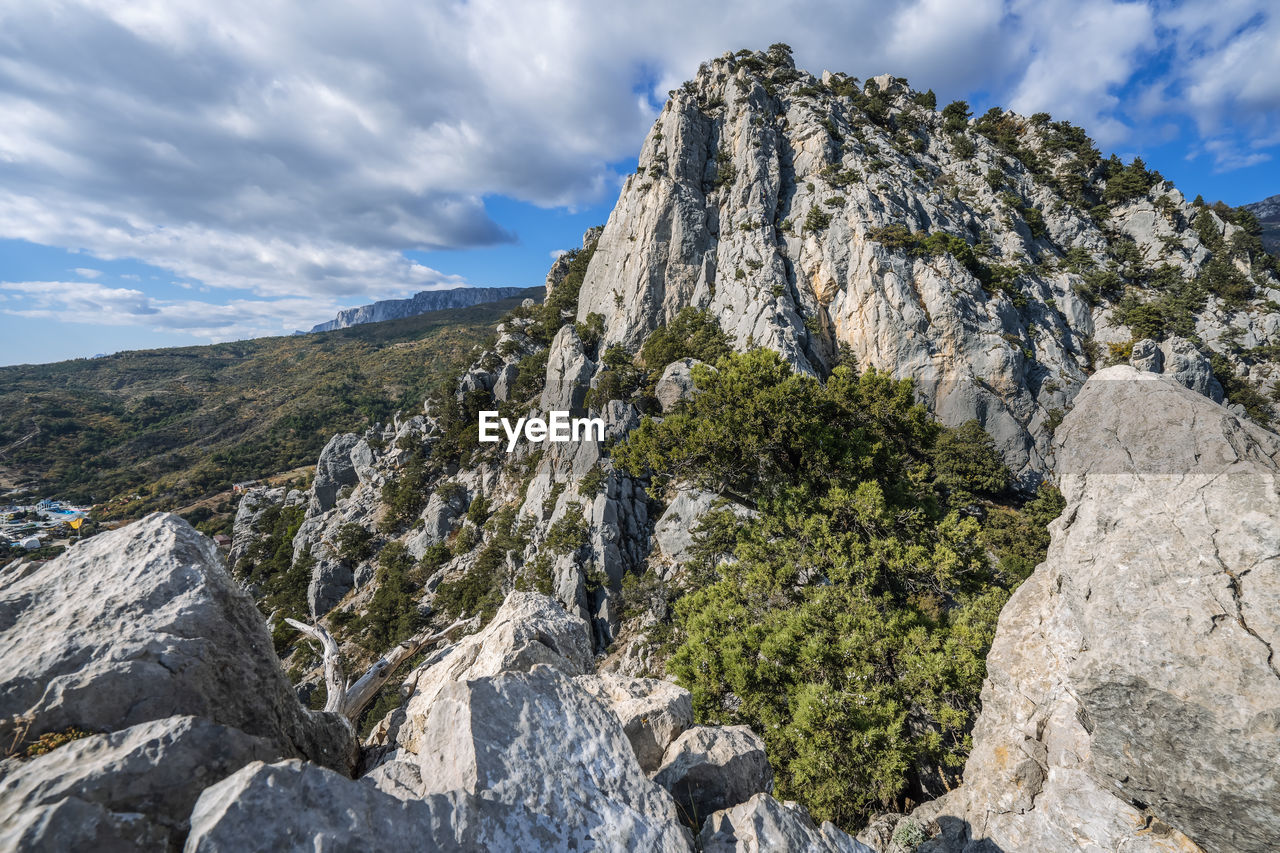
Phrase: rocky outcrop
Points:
(675, 384)
(247, 526)
(294, 807)
(1181, 361)
(653, 713)
(673, 534)
(762, 823)
(419, 303)
(142, 623)
(537, 740)
(139, 637)
(341, 463)
(528, 630)
(784, 206)
(156, 769)
(710, 768)
(1132, 695)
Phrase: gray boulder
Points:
(1132, 696)
(330, 581)
(143, 623)
(504, 382)
(764, 824)
(673, 534)
(539, 741)
(146, 777)
(74, 824)
(247, 527)
(528, 629)
(709, 768)
(337, 468)
(294, 807)
(653, 712)
(675, 384)
(569, 373)
(1181, 361)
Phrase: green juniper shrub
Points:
(618, 378)
(478, 511)
(816, 220)
(692, 333)
(355, 544)
(569, 533)
(481, 588)
(955, 117)
(590, 331)
(1020, 539)
(966, 463)
(1128, 182)
(393, 613)
(851, 625)
(1239, 390)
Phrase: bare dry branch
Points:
(350, 699)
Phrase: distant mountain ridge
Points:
(419, 303)
(1268, 213)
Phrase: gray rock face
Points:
(528, 629)
(146, 777)
(676, 383)
(673, 534)
(143, 623)
(653, 713)
(1132, 691)
(761, 201)
(567, 758)
(293, 807)
(337, 468)
(569, 373)
(764, 824)
(709, 768)
(330, 581)
(1181, 361)
(246, 529)
(419, 303)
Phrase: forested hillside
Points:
(174, 425)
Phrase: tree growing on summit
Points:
(955, 116)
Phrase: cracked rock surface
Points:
(1132, 699)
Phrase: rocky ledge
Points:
(1133, 699)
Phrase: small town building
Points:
(222, 540)
(31, 543)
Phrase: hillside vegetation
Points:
(175, 425)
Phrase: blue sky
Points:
(179, 173)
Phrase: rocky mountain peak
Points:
(985, 258)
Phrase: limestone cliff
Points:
(1132, 691)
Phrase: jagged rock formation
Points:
(763, 194)
(1133, 694)
(1178, 359)
(140, 636)
(419, 303)
(510, 741)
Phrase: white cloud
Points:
(557, 254)
(97, 304)
(85, 272)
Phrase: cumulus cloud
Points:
(297, 150)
